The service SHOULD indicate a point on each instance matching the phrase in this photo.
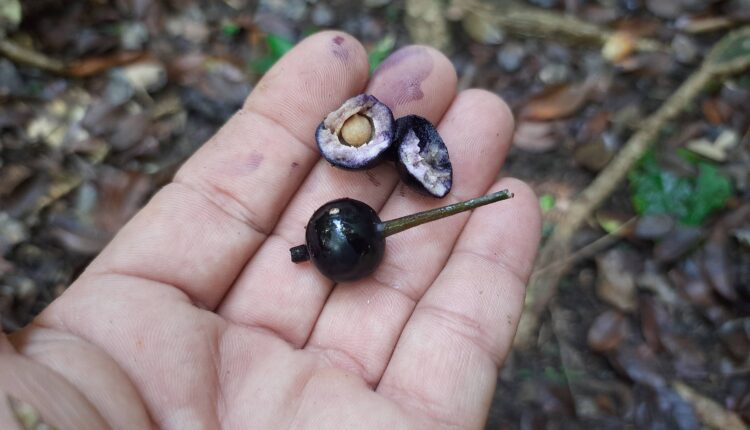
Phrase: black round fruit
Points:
(345, 240)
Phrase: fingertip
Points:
(443, 63)
(415, 79)
(319, 73)
(496, 109)
(344, 48)
(522, 234)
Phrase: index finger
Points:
(199, 231)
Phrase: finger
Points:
(477, 130)
(446, 360)
(199, 231)
(264, 288)
(62, 354)
(25, 384)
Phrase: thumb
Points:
(31, 394)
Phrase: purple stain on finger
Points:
(372, 178)
(255, 160)
(338, 48)
(293, 168)
(399, 78)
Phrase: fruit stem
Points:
(299, 253)
(400, 224)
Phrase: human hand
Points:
(193, 317)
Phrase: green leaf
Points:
(276, 46)
(381, 50)
(263, 64)
(610, 225)
(230, 29)
(690, 200)
(547, 202)
(712, 190)
(733, 46)
(524, 373)
(689, 156)
(10, 15)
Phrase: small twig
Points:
(28, 57)
(706, 25)
(81, 68)
(543, 285)
(533, 22)
(589, 249)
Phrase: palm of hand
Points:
(193, 316)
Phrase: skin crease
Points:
(194, 318)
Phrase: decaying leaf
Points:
(96, 65)
(716, 150)
(712, 414)
(616, 279)
(482, 28)
(618, 46)
(558, 101)
(607, 331)
(536, 136)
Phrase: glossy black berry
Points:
(358, 134)
(345, 240)
(421, 157)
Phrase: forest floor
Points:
(649, 324)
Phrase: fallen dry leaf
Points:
(535, 136)
(712, 414)
(607, 331)
(616, 279)
(557, 101)
(716, 110)
(618, 46)
(96, 65)
(653, 316)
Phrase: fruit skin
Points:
(421, 157)
(345, 240)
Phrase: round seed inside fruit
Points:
(357, 130)
(368, 128)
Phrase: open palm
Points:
(195, 318)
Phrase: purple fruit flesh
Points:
(369, 126)
(421, 157)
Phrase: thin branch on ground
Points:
(528, 21)
(28, 57)
(80, 68)
(590, 249)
